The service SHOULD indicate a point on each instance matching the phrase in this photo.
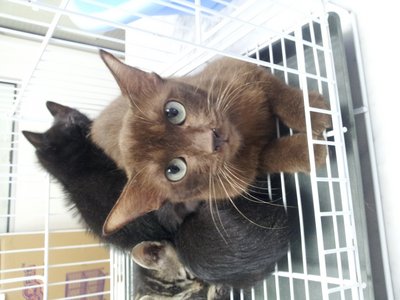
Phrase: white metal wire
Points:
(365, 109)
(70, 72)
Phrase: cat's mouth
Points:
(218, 140)
(225, 142)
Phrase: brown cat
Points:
(200, 137)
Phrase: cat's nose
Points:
(218, 140)
(209, 141)
(202, 141)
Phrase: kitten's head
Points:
(177, 143)
(69, 129)
(163, 276)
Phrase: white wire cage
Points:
(49, 51)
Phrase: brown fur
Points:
(239, 100)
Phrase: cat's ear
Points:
(132, 81)
(36, 139)
(148, 254)
(134, 201)
(58, 110)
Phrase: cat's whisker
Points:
(234, 168)
(238, 210)
(229, 100)
(209, 102)
(221, 223)
(245, 192)
(219, 95)
(218, 215)
(211, 202)
(211, 92)
(226, 93)
(241, 190)
(217, 103)
(231, 97)
(217, 100)
(198, 84)
(252, 187)
(228, 89)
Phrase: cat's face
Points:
(178, 143)
(70, 128)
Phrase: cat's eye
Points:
(175, 112)
(176, 169)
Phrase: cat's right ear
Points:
(148, 254)
(134, 202)
(36, 139)
(58, 110)
(132, 81)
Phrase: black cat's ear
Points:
(134, 201)
(58, 110)
(133, 82)
(36, 139)
(148, 254)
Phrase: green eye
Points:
(175, 112)
(176, 169)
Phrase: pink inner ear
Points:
(132, 204)
(148, 254)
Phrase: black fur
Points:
(246, 253)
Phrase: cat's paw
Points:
(320, 153)
(319, 121)
(289, 154)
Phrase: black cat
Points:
(243, 243)
(91, 180)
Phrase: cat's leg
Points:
(289, 154)
(289, 108)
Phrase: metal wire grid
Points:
(338, 272)
(81, 81)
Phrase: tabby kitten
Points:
(202, 136)
(160, 275)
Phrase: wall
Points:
(69, 76)
(379, 47)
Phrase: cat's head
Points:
(163, 275)
(176, 143)
(69, 129)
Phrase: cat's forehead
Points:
(191, 96)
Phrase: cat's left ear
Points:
(57, 110)
(132, 81)
(135, 201)
(148, 254)
(36, 139)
